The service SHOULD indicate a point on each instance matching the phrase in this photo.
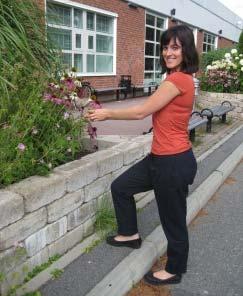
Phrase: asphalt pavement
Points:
(123, 127)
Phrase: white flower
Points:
(78, 83)
(241, 62)
(241, 69)
(69, 150)
(34, 131)
(240, 55)
(66, 115)
(209, 67)
(227, 55)
(49, 165)
(237, 58)
(73, 96)
(233, 51)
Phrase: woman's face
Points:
(172, 54)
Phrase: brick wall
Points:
(222, 43)
(130, 42)
(200, 41)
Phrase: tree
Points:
(240, 45)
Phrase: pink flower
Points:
(92, 131)
(70, 84)
(58, 101)
(21, 147)
(47, 97)
(95, 105)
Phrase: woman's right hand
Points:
(97, 115)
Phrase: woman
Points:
(171, 165)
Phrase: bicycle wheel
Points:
(84, 96)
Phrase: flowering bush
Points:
(38, 130)
(225, 75)
(75, 95)
(44, 133)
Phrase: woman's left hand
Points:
(97, 115)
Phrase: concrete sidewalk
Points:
(109, 271)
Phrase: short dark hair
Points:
(190, 59)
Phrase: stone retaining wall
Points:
(209, 99)
(44, 216)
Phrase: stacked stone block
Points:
(44, 216)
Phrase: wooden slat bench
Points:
(195, 121)
(217, 111)
(117, 90)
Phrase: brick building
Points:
(105, 39)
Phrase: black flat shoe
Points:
(134, 244)
(152, 280)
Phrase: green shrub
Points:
(240, 44)
(37, 138)
(225, 75)
(208, 57)
(35, 134)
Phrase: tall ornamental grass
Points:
(25, 59)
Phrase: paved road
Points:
(81, 275)
(216, 245)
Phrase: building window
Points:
(155, 25)
(85, 38)
(209, 42)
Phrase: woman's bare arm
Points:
(159, 99)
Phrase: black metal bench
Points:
(118, 90)
(151, 86)
(196, 120)
(219, 111)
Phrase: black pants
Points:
(169, 176)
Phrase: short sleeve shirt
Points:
(170, 124)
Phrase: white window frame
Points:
(85, 33)
(215, 44)
(147, 80)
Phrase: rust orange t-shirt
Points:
(170, 124)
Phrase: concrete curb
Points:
(122, 278)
